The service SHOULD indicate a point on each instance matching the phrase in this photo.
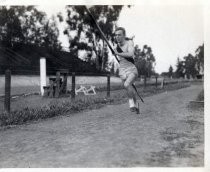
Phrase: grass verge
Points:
(65, 106)
(201, 96)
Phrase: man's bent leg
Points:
(130, 90)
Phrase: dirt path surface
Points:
(166, 133)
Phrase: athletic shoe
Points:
(134, 109)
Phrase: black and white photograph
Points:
(103, 85)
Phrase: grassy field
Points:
(26, 84)
(31, 84)
(201, 96)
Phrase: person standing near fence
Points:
(127, 69)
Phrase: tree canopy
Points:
(27, 25)
(82, 33)
(145, 60)
(191, 65)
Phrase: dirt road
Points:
(166, 133)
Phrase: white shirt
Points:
(127, 47)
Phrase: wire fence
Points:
(23, 77)
(26, 83)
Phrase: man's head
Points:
(120, 34)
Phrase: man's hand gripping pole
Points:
(102, 34)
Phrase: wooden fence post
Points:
(108, 85)
(57, 81)
(64, 88)
(7, 91)
(162, 84)
(145, 81)
(73, 86)
(156, 83)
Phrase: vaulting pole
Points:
(102, 34)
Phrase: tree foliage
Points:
(170, 71)
(144, 60)
(199, 55)
(27, 25)
(191, 65)
(83, 34)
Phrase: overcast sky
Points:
(170, 30)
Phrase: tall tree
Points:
(170, 71)
(10, 25)
(27, 25)
(190, 63)
(144, 60)
(199, 54)
(82, 31)
(50, 34)
(180, 68)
